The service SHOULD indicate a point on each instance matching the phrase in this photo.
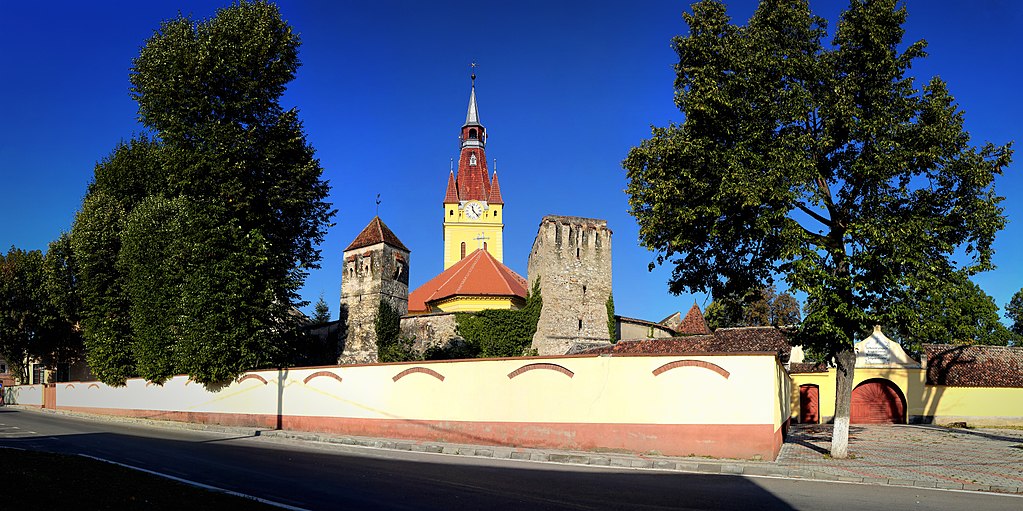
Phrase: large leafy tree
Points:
(824, 164)
(194, 242)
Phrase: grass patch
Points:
(74, 482)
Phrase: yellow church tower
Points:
(473, 216)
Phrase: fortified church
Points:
(571, 257)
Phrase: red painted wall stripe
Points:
(691, 363)
(317, 374)
(417, 369)
(532, 367)
(252, 377)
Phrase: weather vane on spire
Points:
(473, 65)
(378, 204)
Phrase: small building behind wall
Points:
(980, 385)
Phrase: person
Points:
(1, 393)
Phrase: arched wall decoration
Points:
(69, 386)
(93, 386)
(533, 367)
(317, 374)
(417, 369)
(691, 363)
(252, 377)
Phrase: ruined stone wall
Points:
(370, 275)
(430, 330)
(572, 258)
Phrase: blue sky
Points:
(564, 89)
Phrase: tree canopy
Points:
(824, 164)
(194, 240)
(759, 307)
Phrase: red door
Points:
(877, 402)
(809, 404)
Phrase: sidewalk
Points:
(901, 455)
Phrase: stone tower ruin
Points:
(572, 258)
(376, 266)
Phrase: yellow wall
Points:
(929, 403)
(476, 303)
(458, 228)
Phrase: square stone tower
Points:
(376, 266)
(572, 258)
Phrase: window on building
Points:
(580, 324)
(472, 133)
(463, 251)
(484, 245)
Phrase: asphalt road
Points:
(313, 476)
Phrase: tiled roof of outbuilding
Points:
(694, 323)
(376, 232)
(974, 366)
(723, 340)
(808, 367)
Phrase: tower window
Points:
(463, 250)
(472, 159)
(577, 252)
(472, 134)
(495, 212)
(451, 212)
(484, 245)
(580, 324)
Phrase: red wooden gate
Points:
(877, 402)
(50, 396)
(809, 404)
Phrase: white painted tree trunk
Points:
(846, 362)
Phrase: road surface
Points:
(313, 476)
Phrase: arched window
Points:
(472, 134)
(484, 245)
(472, 159)
(463, 250)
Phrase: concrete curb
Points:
(685, 465)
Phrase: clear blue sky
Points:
(564, 89)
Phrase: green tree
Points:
(959, 313)
(61, 343)
(219, 213)
(757, 307)
(823, 164)
(1014, 310)
(321, 312)
(21, 324)
(105, 325)
(612, 324)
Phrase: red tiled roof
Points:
(451, 194)
(694, 323)
(376, 232)
(472, 180)
(478, 274)
(495, 191)
(974, 366)
(723, 340)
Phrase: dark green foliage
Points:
(958, 313)
(321, 312)
(758, 307)
(824, 164)
(151, 261)
(502, 333)
(21, 285)
(60, 344)
(612, 330)
(391, 346)
(106, 329)
(218, 215)
(1014, 310)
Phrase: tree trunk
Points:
(846, 362)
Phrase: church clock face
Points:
(473, 210)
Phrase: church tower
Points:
(473, 216)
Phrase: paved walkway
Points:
(902, 455)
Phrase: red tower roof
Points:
(451, 195)
(376, 232)
(495, 191)
(694, 323)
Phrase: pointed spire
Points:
(376, 232)
(451, 196)
(694, 323)
(472, 117)
(495, 191)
